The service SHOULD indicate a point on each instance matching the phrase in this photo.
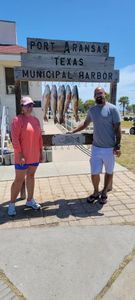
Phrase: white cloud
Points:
(126, 86)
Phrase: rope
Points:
(80, 147)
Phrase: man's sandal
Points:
(103, 199)
(93, 197)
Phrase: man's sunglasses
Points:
(28, 105)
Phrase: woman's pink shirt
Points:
(26, 138)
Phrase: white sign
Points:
(36, 74)
(52, 61)
(67, 47)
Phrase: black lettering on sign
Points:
(52, 44)
(57, 74)
(87, 48)
(74, 47)
(98, 75)
(45, 46)
(105, 49)
(109, 75)
(52, 74)
(74, 62)
(62, 61)
(98, 49)
(64, 75)
(39, 74)
(92, 75)
(56, 60)
(39, 45)
(32, 44)
(81, 75)
(32, 74)
(25, 73)
(81, 62)
(93, 48)
(80, 48)
(69, 76)
(104, 75)
(87, 75)
(66, 48)
(69, 61)
(43, 74)
(48, 74)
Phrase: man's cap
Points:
(26, 100)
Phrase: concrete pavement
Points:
(63, 263)
(69, 249)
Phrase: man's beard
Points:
(100, 100)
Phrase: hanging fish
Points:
(60, 103)
(54, 102)
(68, 98)
(75, 102)
(46, 101)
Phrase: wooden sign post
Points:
(68, 61)
(113, 92)
(18, 96)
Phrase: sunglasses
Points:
(28, 105)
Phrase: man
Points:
(106, 142)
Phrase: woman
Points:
(27, 144)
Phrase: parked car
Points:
(126, 118)
(132, 130)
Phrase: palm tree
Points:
(81, 105)
(129, 108)
(88, 103)
(133, 108)
(124, 101)
(107, 97)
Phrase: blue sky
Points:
(111, 21)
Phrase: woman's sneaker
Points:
(11, 209)
(33, 204)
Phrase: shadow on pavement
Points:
(61, 208)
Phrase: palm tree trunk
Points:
(123, 109)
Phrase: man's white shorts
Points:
(100, 157)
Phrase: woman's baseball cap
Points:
(26, 100)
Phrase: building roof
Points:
(12, 49)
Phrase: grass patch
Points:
(126, 124)
(127, 158)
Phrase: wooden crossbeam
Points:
(67, 139)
